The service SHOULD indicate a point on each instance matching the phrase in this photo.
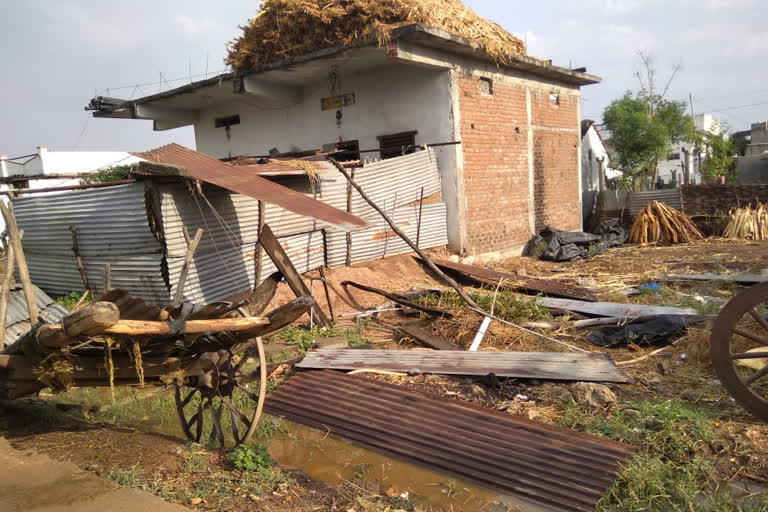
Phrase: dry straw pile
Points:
(658, 222)
(289, 28)
(748, 223)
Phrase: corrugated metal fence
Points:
(638, 200)
(138, 229)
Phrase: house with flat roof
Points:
(505, 126)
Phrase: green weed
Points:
(253, 457)
(126, 477)
(69, 300)
(507, 305)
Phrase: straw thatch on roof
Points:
(290, 28)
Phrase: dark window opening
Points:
(397, 144)
(674, 156)
(485, 85)
(226, 122)
(345, 151)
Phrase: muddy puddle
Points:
(333, 460)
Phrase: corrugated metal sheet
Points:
(140, 275)
(614, 199)
(612, 309)
(557, 468)
(380, 241)
(395, 182)
(230, 270)
(230, 218)
(210, 170)
(17, 317)
(111, 221)
(670, 197)
(522, 365)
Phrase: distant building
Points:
(752, 166)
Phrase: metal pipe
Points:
(480, 334)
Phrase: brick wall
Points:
(556, 186)
(495, 146)
(494, 133)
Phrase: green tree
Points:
(720, 159)
(645, 125)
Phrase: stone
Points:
(593, 394)
(334, 342)
(658, 384)
(689, 395)
(633, 413)
(177, 451)
(195, 501)
(476, 390)
(93, 468)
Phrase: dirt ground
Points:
(698, 449)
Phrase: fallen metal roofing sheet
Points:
(552, 288)
(524, 365)
(557, 468)
(611, 309)
(196, 165)
(17, 316)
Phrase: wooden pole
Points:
(80, 265)
(418, 224)
(15, 241)
(107, 278)
(285, 266)
(178, 295)
(259, 248)
(450, 282)
(9, 264)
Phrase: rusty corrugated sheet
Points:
(522, 365)
(551, 288)
(556, 468)
(196, 165)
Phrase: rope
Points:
(109, 365)
(137, 361)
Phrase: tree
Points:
(645, 125)
(719, 160)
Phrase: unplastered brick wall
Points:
(556, 187)
(494, 138)
(495, 144)
(556, 181)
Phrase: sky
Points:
(57, 54)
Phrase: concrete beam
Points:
(165, 118)
(258, 87)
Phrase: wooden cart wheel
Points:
(223, 398)
(739, 349)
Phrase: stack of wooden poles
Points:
(660, 223)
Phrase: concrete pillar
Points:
(688, 167)
(4, 166)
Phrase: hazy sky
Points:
(56, 54)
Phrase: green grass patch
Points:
(69, 300)
(250, 457)
(303, 337)
(507, 305)
(126, 477)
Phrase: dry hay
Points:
(748, 223)
(658, 222)
(289, 28)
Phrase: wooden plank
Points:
(283, 263)
(747, 279)
(6, 286)
(79, 258)
(147, 328)
(550, 288)
(523, 365)
(14, 238)
(178, 295)
(612, 309)
(428, 339)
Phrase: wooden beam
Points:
(428, 339)
(65, 188)
(149, 328)
(446, 279)
(4, 291)
(21, 262)
(283, 263)
(78, 258)
(178, 295)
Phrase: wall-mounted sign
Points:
(336, 102)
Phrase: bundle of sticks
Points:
(748, 223)
(658, 222)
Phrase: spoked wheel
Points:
(739, 348)
(224, 399)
